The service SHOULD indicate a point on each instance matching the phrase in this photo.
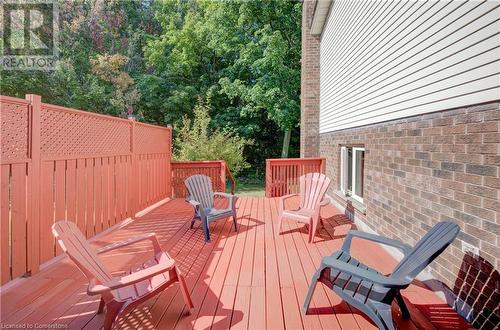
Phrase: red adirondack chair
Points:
(313, 187)
(119, 295)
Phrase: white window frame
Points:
(354, 195)
(343, 168)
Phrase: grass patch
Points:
(249, 187)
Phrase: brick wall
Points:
(427, 168)
(309, 99)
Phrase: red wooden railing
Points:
(217, 170)
(59, 163)
(282, 174)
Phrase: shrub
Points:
(195, 141)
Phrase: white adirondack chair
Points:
(119, 295)
(313, 187)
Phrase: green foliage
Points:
(156, 58)
(244, 55)
(266, 74)
(195, 141)
(109, 68)
(96, 38)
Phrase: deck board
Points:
(250, 279)
(274, 297)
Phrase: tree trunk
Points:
(286, 143)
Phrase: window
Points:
(352, 162)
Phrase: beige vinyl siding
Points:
(383, 60)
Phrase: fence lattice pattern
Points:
(14, 129)
(59, 163)
(145, 134)
(66, 132)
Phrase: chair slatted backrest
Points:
(313, 187)
(200, 189)
(426, 250)
(75, 245)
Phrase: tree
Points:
(93, 31)
(244, 55)
(109, 68)
(270, 60)
(158, 57)
(195, 141)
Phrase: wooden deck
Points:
(253, 279)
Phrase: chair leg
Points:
(313, 227)
(206, 229)
(101, 306)
(184, 290)
(380, 313)
(280, 221)
(310, 292)
(235, 223)
(402, 306)
(112, 310)
(386, 318)
(192, 223)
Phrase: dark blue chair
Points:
(367, 289)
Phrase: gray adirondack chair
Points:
(371, 291)
(201, 196)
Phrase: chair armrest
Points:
(115, 245)
(281, 204)
(130, 279)
(375, 238)
(197, 207)
(223, 194)
(230, 197)
(324, 202)
(371, 276)
(288, 196)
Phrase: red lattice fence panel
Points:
(153, 163)
(15, 171)
(282, 174)
(60, 163)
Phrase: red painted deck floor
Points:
(253, 279)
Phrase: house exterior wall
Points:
(309, 98)
(442, 166)
(383, 60)
(438, 162)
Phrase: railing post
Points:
(134, 187)
(170, 172)
(33, 225)
(323, 165)
(223, 175)
(268, 178)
